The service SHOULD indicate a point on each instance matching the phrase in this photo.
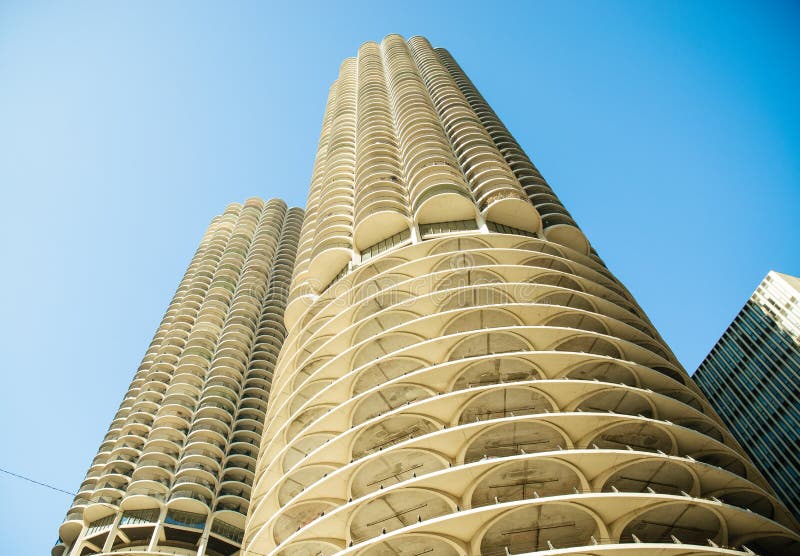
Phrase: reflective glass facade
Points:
(752, 378)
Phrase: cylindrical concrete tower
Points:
(462, 375)
(173, 475)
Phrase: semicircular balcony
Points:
(218, 411)
(232, 502)
(154, 468)
(190, 497)
(223, 382)
(561, 229)
(169, 435)
(232, 532)
(183, 393)
(175, 416)
(509, 209)
(145, 493)
(209, 430)
(243, 463)
(72, 526)
(440, 200)
(103, 502)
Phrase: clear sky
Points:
(670, 131)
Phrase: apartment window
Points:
(139, 517)
(100, 525)
(426, 230)
(338, 277)
(384, 245)
(503, 229)
(185, 519)
(228, 531)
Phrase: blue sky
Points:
(670, 131)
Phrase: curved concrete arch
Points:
(540, 527)
(643, 435)
(300, 448)
(587, 343)
(480, 319)
(482, 343)
(604, 371)
(395, 510)
(314, 547)
(495, 371)
(688, 522)
(616, 400)
(382, 371)
(474, 296)
(295, 517)
(415, 543)
(390, 431)
(299, 479)
(389, 318)
(393, 467)
(449, 245)
(505, 401)
(524, 479)
(512, 438)
(663, 476)
(386, 399)
(383, 345)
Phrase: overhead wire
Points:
(115, 508)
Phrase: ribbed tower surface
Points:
(174, 472)
(462, 375)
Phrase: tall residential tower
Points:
(462, 375)
(174, 472)
(752, 378)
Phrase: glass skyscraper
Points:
(752, 378)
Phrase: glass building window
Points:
(100, 525)
(426, 230)
(228, 531)
(185, 519)
(139, 517)
(384, 245)
(503, 229)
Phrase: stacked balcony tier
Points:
(408, 144)
(403, 147)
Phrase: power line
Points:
(24, 478)
(51, 487)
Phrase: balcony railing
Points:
(139, 517)
(190, 494)
(185, 519)
(228, 531)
